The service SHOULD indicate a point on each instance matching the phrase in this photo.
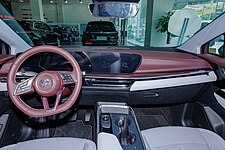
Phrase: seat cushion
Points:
(53, 144)
(182, 138)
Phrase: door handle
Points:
(151, 94)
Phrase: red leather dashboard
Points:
(213, 59)
(166, 62)
(152, 63)
(161, 63)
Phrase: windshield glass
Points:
(10, 20)
(164, 23)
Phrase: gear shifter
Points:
(123, 124)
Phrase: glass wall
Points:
(206, 10)
(66, 28)
(136, 26)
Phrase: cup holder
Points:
(129, 140)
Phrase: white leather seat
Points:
(53, 144)
(182, 138)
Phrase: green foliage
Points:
(162, 23)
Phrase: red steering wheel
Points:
(46, 84)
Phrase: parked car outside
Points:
(66, 35)
(100, 33)
(39, 32)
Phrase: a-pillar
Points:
(37, 9)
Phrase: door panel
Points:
(220, 98)
(213, 100)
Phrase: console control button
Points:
(105, 121)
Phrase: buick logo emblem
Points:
(45, 83)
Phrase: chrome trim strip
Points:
(109, 85)
(200, 72)
(173, 82)
(206, 75)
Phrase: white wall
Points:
(78, 13)
(20, 9)
(73, 12)
(50, 14)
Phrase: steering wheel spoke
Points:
(24, 87)
(46, 105)
(67, 77)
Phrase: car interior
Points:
(119, 97)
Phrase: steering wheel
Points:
(46, 84)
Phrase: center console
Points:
(118, 123)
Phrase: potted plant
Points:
(162, 25)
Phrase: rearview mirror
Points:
(114, 9)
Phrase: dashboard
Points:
(131, 76)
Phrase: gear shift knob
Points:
(123, 123)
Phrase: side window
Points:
(37, 25)
(4, 48)
(42, 26)
(216, 46)
(45, 27)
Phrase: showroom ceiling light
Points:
(80, 1)
(65, 1)
(51, 1)
(21, 1)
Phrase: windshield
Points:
(10, 20)
(164, 23)
(25, 25)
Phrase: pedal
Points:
(87, 116)
(73, 117)
(42, 131)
